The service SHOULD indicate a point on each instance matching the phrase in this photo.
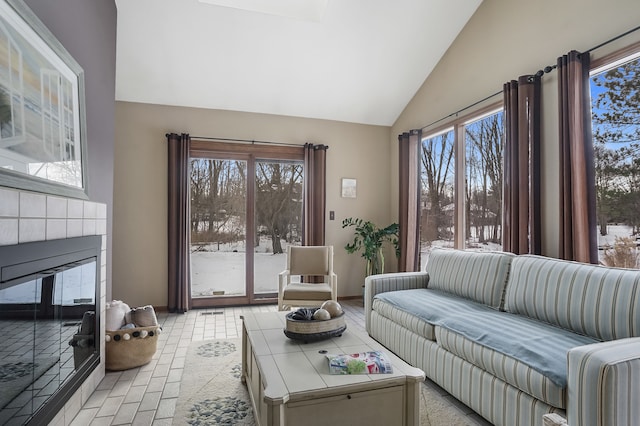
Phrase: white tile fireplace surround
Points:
(28, 217)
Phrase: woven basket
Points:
(123, 353)
(314, 326)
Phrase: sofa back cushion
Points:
(592, 300)
(479, 276)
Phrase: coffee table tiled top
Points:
(291, 372)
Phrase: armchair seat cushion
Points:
(307, 291)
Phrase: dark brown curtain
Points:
(578, 239)
(313, 218)
(521, 221)
(178, 226)
(409, 197)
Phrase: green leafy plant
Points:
(369, 239)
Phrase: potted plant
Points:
(369, 239)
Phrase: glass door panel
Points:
(278, 220)
(218, 228)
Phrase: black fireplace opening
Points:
(49, 325)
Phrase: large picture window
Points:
(437, 203)
(483, 182)
(615, 103)
(461, 185)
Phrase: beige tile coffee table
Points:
(289, 381)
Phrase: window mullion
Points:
(459, 192)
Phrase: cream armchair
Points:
(308, 262)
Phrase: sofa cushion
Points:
(404, 319)
(506, 368)
(382, 283)
(538, 345)
(597, 301)
(479, 276)
(420, 309)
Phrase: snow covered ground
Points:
(613, 231)
(224, 270)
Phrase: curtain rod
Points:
(539, 73)
(461, 110)
(550, 68)
(245, 141)
(613, 39)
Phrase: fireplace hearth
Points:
(49, 323)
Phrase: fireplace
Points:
(49, 323)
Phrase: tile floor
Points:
(147, 395)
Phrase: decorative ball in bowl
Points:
(321, 314)
(332, 307)
(313, 324)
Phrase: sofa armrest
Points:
(603, 382)
(381, 283)
(554, 419)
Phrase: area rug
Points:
(16, 376)
(211, 392)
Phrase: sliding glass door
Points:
(218, 227)
(245, 211)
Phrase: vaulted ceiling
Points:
(348, 60)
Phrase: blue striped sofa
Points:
(517, 338)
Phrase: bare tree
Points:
(218, 201)
(279, 199)
(218, 190)
(437, 172)
(484, 176)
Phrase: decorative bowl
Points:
(314, 330)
